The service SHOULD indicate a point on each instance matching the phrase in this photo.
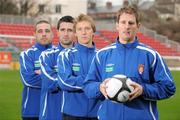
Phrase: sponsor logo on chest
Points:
(76, 67)
(37, 64)
(109, 67)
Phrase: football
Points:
(118, 88)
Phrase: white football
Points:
(118, 88)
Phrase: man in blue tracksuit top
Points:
(73, 66)
(30, 70)
(51, 95)
(151, 77)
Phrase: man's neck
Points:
(66, 46)
(89, 45)
(126, 41)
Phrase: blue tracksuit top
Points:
(50, 102)
(73, 66)
(29, 62)
(144, 66)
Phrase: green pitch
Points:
(10, 98)
(169, 109)
(10, 95)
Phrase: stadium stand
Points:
(102, 38)
(162, 48)
(21, 30)
(3, 44)
(27, 30)
(100, 41)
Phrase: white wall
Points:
(114, 2)
(100, 3)
(69, 7)
(75, 7)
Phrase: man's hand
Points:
(38, 72)
(138, 90)
(103, 87)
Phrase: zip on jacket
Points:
(29, 62)
(73, 66)
(144, 66)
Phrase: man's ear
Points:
(139, 24)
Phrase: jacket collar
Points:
(128, 45)
(83, 48)
(43, 47)
(60, 47)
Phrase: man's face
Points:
(127, 27)
(43, 33)
(66, 33)
(84, 33)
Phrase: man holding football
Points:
(151, 77)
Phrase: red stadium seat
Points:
(157, 45)
(104, 38)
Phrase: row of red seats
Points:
(27, 30)
(3, 44)
(100, 42)
(103, 39)
(21, 30)
(157, 45)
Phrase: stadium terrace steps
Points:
(27, 30)
(102, 38)
(22, 30)
(100, 41)
(162, 48)
(3, 44)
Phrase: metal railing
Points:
(161, 38)
(14, 19)
(102, 24)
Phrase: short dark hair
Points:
(66, 18)
(42, 21)
(129, 10)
